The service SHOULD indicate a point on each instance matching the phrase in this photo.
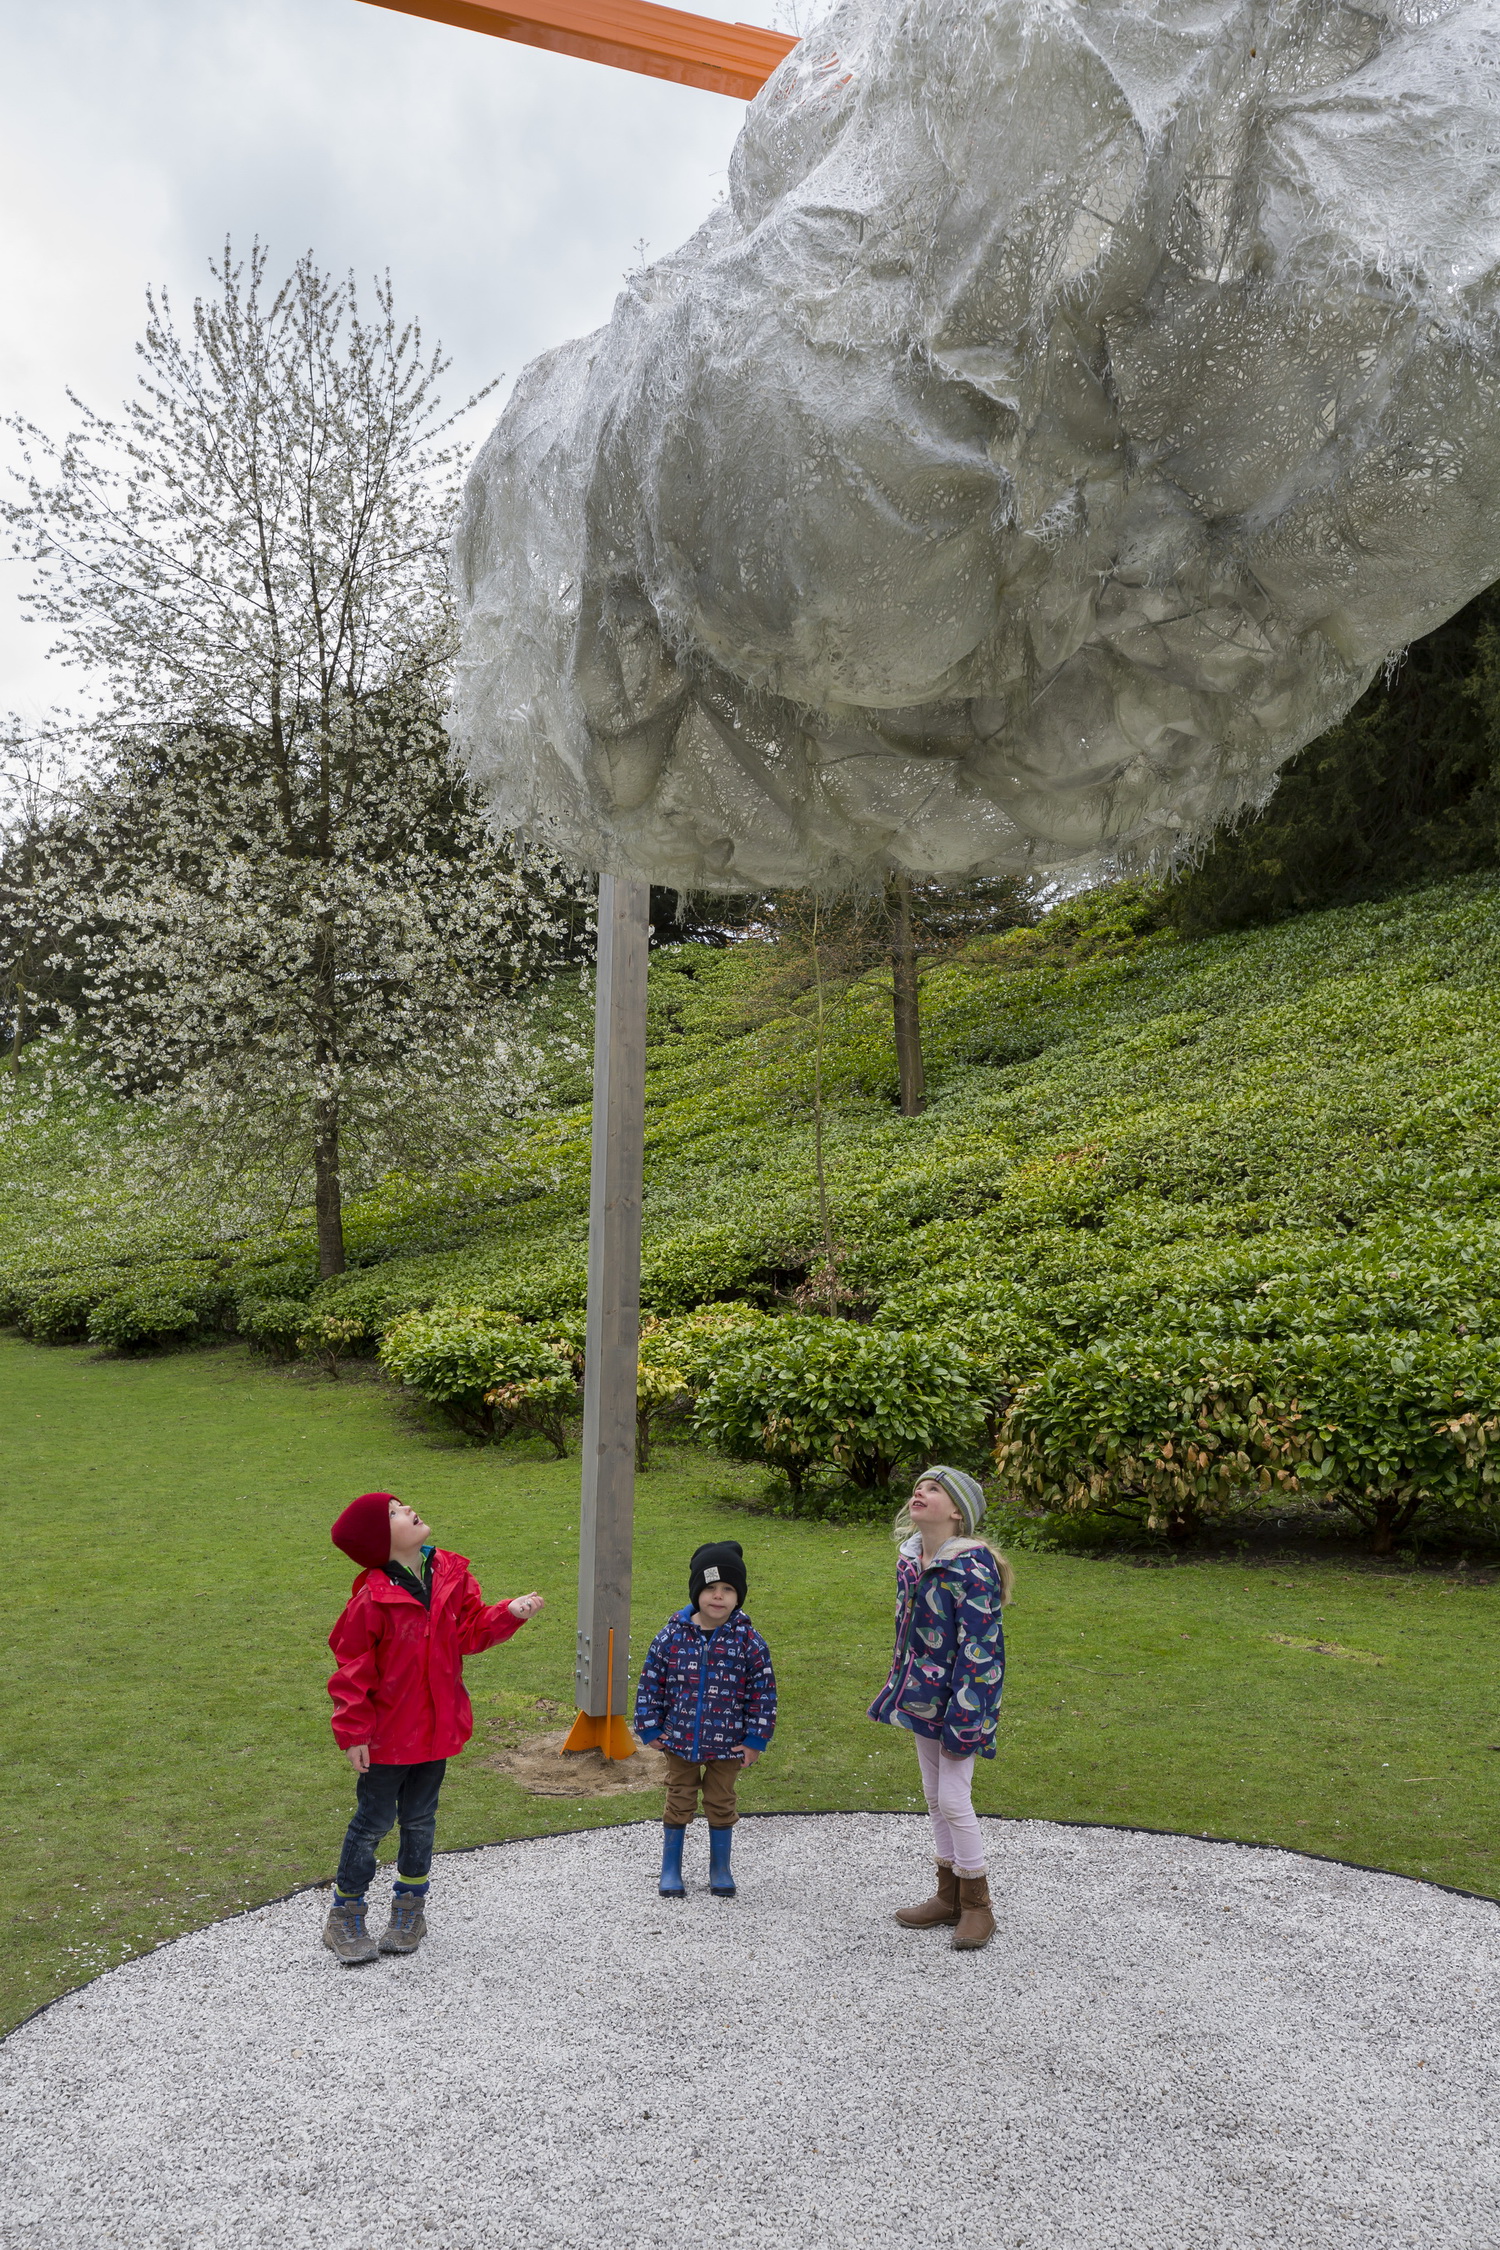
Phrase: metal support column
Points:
(612, 1342)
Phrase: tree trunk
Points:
(328, 1196)
(908, 1011)
(1390, 1518)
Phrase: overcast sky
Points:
(505, 188)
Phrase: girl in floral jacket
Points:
(945, 1684)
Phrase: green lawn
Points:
(166, 1745)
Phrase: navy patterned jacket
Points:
(705, 1695)
(948, 1671)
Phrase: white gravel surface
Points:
(1169, 2044)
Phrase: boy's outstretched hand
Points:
(747, 1755)
(527, 1605)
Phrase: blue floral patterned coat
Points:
(949, 1668)
(706, 1695)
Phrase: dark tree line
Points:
(1405, 790)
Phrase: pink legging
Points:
(947, 1784)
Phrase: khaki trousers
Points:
(716, 1779)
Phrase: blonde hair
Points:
(903, 1527)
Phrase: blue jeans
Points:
(385, 1795)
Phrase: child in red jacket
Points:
(399, 1707)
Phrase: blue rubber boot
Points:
(720, 1878)
(672, 1885)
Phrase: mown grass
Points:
(170, 1588)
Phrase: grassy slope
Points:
(1108, 1100)
(171, 1585)
(1105, 1095)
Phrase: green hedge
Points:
(813, 1394)
(1178, 1430)
(128, 1310)
(485, 1371)
(151, 1313)
(59, 1311)
(274, 1324)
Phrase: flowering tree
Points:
(314, 946)
(314, 998)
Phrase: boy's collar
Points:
(690, 1612)
(392, 1581)
(427, 1553)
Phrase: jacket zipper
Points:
(702, 1691)
(905, 1647)
(905, 1650)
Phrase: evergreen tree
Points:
(1406, 788)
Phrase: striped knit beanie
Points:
(966, 1493)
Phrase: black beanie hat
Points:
(720, 1559)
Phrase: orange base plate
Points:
(612, 1736)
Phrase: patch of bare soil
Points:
(534, 1763)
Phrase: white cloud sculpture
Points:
(1072, 405)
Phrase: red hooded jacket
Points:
(400, 1679)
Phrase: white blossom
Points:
(301, 936)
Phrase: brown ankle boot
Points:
(976, 1923)
(939, 1910)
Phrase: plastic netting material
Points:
(1070, 408)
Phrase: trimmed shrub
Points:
(450, 1358)
(328, 1339)
(161, 1305)
(661, 1385)
(677, 1360)
(547, 1294)
(273, 1324)
(536, 1390)
(258, 1280)
(59, 1312)
(810, 1394)
(373, 1301)
(549, 1297)
(1176, 1430)
(1168, 1435)
(699, 1340)
(146, 1314)
(484, 1370)
(1395, 1425)
(681, 1270)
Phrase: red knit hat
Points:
(363, 1531)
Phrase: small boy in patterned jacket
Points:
(707, 1694)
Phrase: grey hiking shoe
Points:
(407, 1926)
(344, 1932)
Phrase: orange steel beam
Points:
(723, 58)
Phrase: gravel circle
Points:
(1169, 2043)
